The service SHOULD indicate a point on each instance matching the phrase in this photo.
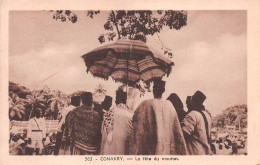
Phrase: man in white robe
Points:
(195, 128)
(156, 128)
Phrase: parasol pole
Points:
(127, 63)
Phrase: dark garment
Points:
(65, 147)
(58, 142)
(98, 108)
(84, 125)
(178, 105)
(234, 148)
(181, 115)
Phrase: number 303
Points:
(88, 158)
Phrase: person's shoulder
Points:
(31, 119)
(193, 113)
(69, 108)
(145, 103)
(168, 103)
(74, 111)
(143, 106)
(207, 111)
(42, 119)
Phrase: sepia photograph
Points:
(147, 82)
(128, 82)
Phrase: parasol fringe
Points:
(121, 47)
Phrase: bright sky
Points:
(209, 54)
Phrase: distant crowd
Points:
(229, 145)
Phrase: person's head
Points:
(158, 88)
(188, 103)
(107, 103)
(86, 98)
(38, 113)
(99, 94)
(75, 101)
(220, 146)
(176, 101)
(120, 96)
(197, 101)
(133, 96)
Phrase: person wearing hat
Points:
(196, 126)
(36, 132)
(156, 127)
(116, 126)
(83, 129)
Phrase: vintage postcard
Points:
(130, 82)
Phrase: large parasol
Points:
(127, 61)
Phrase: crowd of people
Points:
(90, 125)
(229, 145)
(156, 126)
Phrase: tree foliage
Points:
(234, 116)
(56, 103)
(131, 24)
(19, 90)
(23, 108)
(35, 101)
(17, 109)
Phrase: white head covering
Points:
(133, 96)
(99, 94)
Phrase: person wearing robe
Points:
(156, 127)
(83, 132)
(133, 98)
(178, 105)
(60, 147)
(98, 97)
(194, 126)
(116, 126)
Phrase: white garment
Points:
(194, 125)
(32, 125)
(36, 131)
(133, 98)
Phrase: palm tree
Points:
(16, 107)
(56, 104)
(35, 101)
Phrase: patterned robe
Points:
(84, 130)
(156, 130)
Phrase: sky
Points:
(209, 54)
